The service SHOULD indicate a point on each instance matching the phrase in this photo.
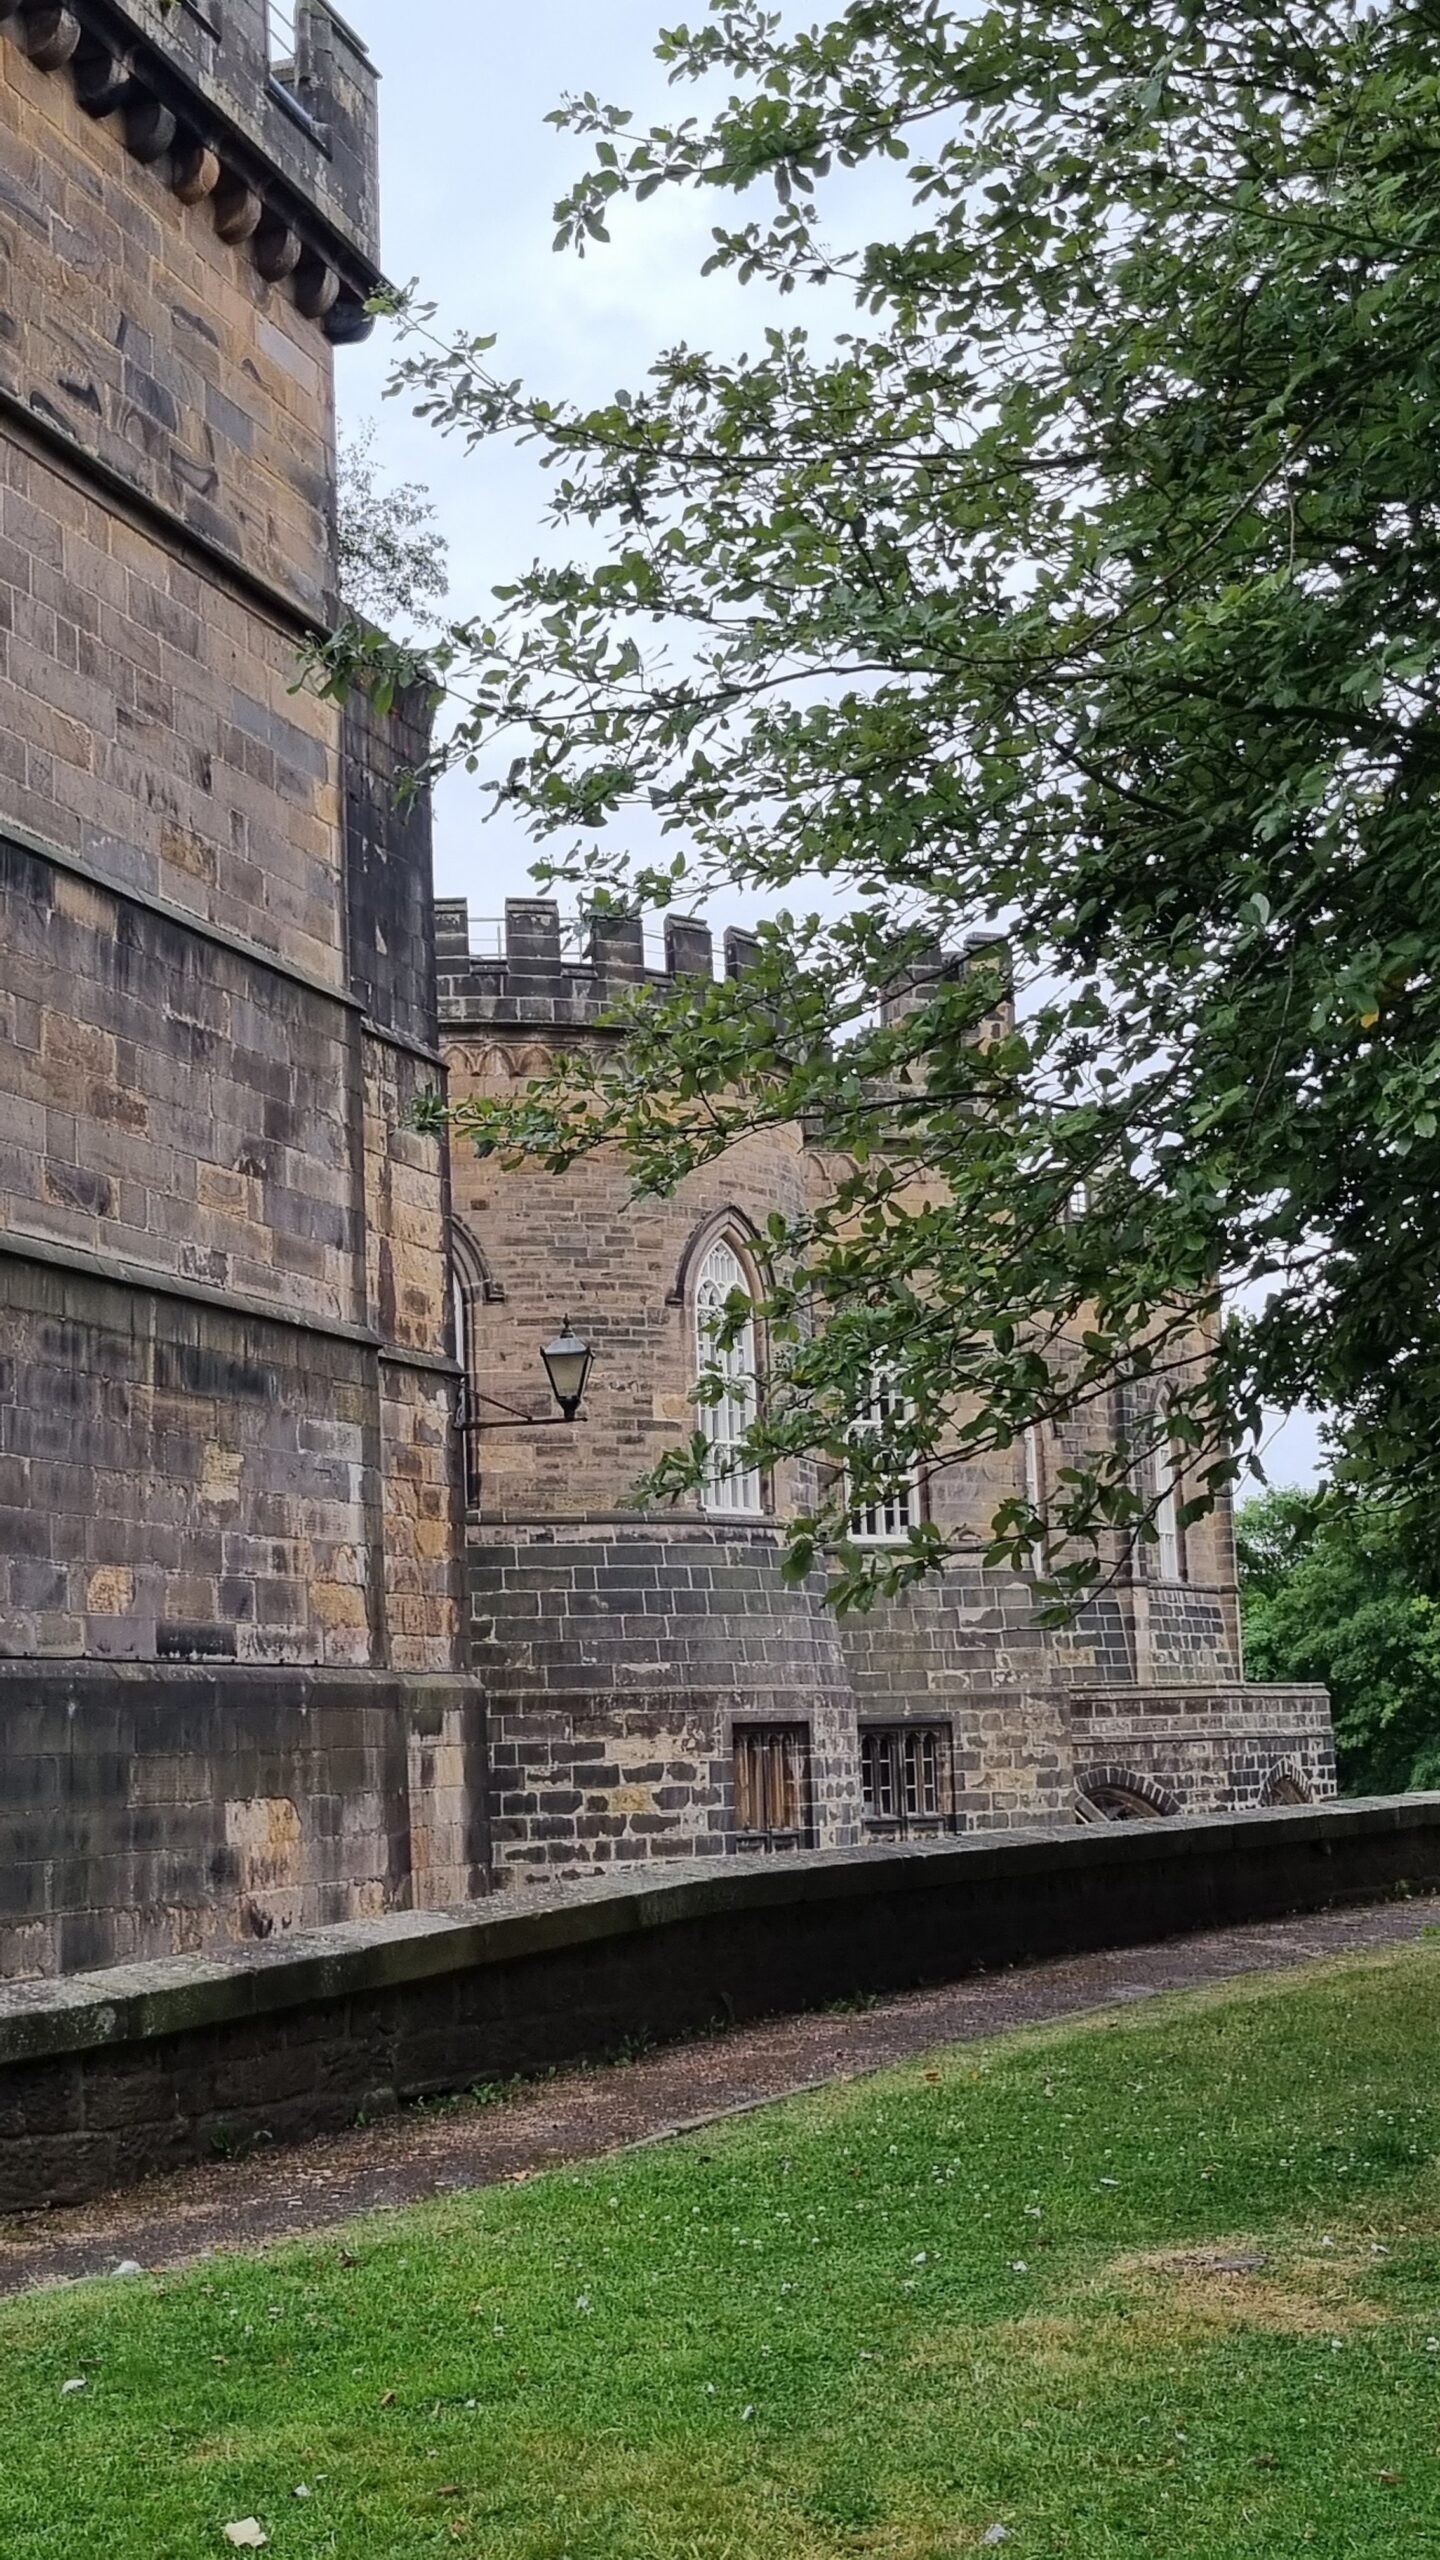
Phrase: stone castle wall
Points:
(229, 1598)
(626, 1655)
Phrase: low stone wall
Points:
(109, 2078)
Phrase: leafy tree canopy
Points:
(1066, 572)
(392, 553)
(1348, 1598)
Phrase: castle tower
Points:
(655, 1688)
(229, 1700)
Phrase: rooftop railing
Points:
(487, 941)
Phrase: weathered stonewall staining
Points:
(230, 1700)
(654, 1688)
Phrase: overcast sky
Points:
(470, 175)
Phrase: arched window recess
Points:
(727, 1356)
(474, 1286)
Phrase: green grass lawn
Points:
(994, 2289)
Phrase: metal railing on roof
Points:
(284, 38)
(487, 941)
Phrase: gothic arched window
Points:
(732, 1490)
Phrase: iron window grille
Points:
(466, 1416)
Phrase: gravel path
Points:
(581, 2115)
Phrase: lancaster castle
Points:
(287, 1637)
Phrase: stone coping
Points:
(137, 2004)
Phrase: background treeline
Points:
(1348, 1597)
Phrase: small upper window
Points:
(891, 1508)
(731, 1488)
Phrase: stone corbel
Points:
(150, 128)
(277, 250)
(349, 323)
(239, 211)
(104, 78)
(317, 286)
(51, 37)
(195, 170)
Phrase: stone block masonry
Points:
(150, 1808)
(618, 1670)
(230, 1699)
(114, 2077)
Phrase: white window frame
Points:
(888, 1519)
(730, 1492)
(1169, 1549)
(1036, 1487)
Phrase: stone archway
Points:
(1109, 1794)
(1286, 1784)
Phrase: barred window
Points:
(772, 1783)
(731, 1488)
(906, 1776)
(892, 1509)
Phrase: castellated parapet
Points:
(540, 970)
(656, 1687)
(535, 967)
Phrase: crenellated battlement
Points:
(265, 109)
(543, 969)
(535, 966)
